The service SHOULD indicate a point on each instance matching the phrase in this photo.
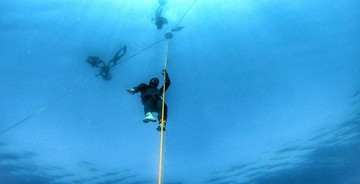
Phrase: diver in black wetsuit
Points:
(159, 21)
(151, 98)
(105, 68)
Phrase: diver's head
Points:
(154, 82)
(160, 21)
(159, 25)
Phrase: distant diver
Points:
(159, 20)
(151, 98)
(105, 68)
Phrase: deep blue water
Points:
(263, 92)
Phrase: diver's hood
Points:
(154, 82)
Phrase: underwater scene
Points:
(180, 92)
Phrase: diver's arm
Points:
(136, 89)
(167, 81)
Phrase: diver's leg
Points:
(159, 110)
(117, 56)
(162, 124)
(159, 9)
(158, 12)
(148, 109)
(162, 2)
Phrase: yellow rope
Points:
(162, 117)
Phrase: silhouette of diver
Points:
(159, 21)
(151, 98)
(105, 68)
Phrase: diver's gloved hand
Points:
(164, 72)
(131, 91)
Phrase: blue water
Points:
(263, 92)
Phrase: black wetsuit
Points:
(151, 97)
